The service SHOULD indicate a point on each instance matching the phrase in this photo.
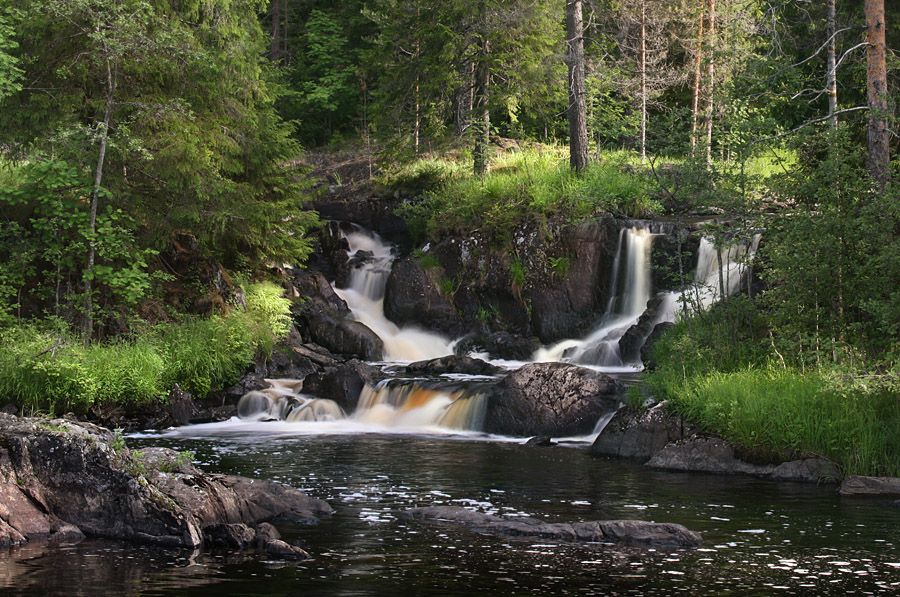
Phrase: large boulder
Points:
(553, 399)
(411, 297)
(856, 485)
(342, 382)
(61, 480)
(325, 319)
(627, 532)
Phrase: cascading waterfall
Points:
(364, 295)
(629, 293)
(707, 287)
(389, 405)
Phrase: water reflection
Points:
(760, 537)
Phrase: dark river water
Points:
(760, 538)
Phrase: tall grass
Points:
(49, 370)
(773, 413)
(731, 382)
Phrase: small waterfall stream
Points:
(628, 296)
(364, 295)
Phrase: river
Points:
(760, 537)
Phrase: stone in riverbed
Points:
(453, 364)
(625, 532)
(855, 485)
(640, 434)
(553, 399)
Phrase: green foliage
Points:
(517, 271)
(777, 413)
(529, 185)
(561, 265)
(44, 237)
(44, 369)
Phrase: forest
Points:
(128, 126)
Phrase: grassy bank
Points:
(44, 370)
(521, 186)
(772, 410)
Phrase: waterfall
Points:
(630, 291)
(706, 288)
(364, 295)
(628, 296)
(389, 405)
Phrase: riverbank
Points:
(61, 480)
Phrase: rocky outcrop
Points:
(411, 297)
(855, 485)
(623, 532)
(640, 434)
(553, 399)
(714, 455)
(323, 318)
(452, 364)
(61, 480)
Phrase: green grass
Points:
(722, 374)
(773, 413)
(50, 371)
(528, 185)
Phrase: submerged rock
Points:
(499, 345)
(626, 532)
(554, 399)
(859, 485)
(62, 480)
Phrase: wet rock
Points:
(541, 441)
(452, 364)
(229, 536)
(323, 318)
(342, 382)
(499, 345)
(631, 343)
(626, 532)
(640, 434)
(60, 478)
(411, 297)
(714, 455)
(552, 399)
(647, 348)
(858, 485)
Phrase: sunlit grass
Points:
(46, 370)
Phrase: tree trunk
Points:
(275, 47)
(831, 78)
(643, 66)
(578, 142)
(698, 62)
(87, 326)
(483, 128)
(710, 76)
(464, 95)
(878, 144)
